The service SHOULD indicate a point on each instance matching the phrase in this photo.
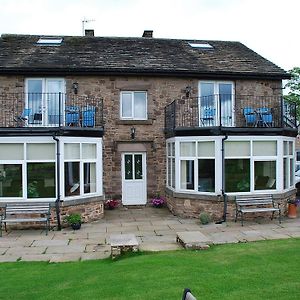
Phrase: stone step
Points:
(193, 240)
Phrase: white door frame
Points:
(134, 191)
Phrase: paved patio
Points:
(154, 228)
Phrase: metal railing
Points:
(228, 110)
(50, 110)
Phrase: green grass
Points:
(261, 270)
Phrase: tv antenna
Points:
(85, 21)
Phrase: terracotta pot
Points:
(292, 211)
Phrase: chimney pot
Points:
(148, 33)
(89, 32)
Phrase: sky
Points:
(269, 27)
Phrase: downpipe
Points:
(224, 196)
(57, 201)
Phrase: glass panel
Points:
(54, 100)
(40, 151)
(239, 148)
(225, 91)
(187, 149)
(173, 149)
(128, 166)
(11, 180)
(89, 175)
(237, 175)
(126, 105)
(89, 151)
(285, 173)
(187, 175)
(41, 180)
(35, 98)
(72, 178)
(140, 105)
(298, 156)
(72, 151)
(11, 151)
(206, 149)
(292, 174)
(138, 166)
(206, 175)
(169, 149)
(207, 103)
(265, 148)
(285, 148)
(173, 173)
(169, 171)
(265, 175)
(290, 148)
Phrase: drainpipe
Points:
(223, 181)
(57, 201)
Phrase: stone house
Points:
(84, 119)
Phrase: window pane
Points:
(41, 180)
(72, 151)
(265, 175)
(138, 166)
(290, 148)
(35, 86)
(169, 172)
(88, 151)
(128, 166)
(239, 148)
(285, 148)
(187, 175)
(173, 173)
(206, 175)
(173, 149)
(40, 151)
(237, 175)
(11, 151)
(126, 105)
(265, 148)
(140, 105)
(292, 175)
(206, 149)
(89, 175)
(286, 173)
(11, 180)
(298, 156)
(72, 178)
(187, 149)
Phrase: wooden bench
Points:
(26, 212)
(255, 203)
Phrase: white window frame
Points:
(132, 117)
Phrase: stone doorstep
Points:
(122, 242)
(193, 240)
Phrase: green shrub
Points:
(204, 218)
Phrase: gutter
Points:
(57, 201)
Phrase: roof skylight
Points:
(201, 45)
(50, 41)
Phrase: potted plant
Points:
(292, 207)
(74, 220)
(158, 201)
(111, 203)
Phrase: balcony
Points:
(36, 110)
(228, 112)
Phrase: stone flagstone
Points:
(193, 240)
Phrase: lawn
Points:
(260, 270)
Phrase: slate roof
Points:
(20, 54)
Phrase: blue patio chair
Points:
(266, 116)
(88, 116)
(24, 117)
(208, 116)
(250, 116)
(72, 116)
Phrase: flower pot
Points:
(76, 226)
(292, 211)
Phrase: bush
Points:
(204, 218)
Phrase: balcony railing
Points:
(50, 110)
(241, 111)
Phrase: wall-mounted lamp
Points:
(132, 133)
(188, 91)
(75, 87)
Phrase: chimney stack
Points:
(89, 32)
(148, 34)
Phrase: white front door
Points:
(134, 182)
